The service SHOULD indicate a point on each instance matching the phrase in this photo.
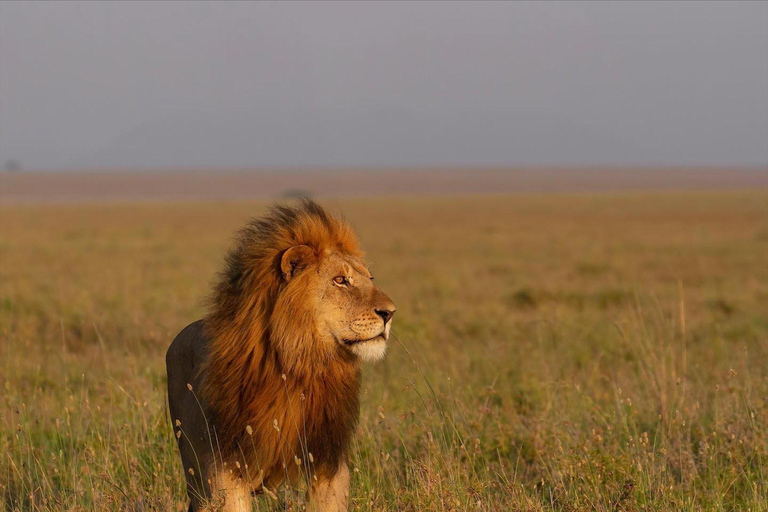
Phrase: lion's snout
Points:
(377, 321)
(383, 306)
(368, 327)
(386, 313)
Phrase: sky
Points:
(246, 85)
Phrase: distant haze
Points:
(193, 84)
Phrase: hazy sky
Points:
(149, 84)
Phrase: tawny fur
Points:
(275, 395)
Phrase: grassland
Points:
(556, 352)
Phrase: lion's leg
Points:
(230, 494)
(227, 495)
(330, 494)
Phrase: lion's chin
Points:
(370, 351)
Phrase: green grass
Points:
(554, 352)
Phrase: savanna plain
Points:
(558, 352)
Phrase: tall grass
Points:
(549, 353)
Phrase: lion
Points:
(264, 391)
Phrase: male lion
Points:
(265, 388)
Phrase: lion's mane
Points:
(274, 398)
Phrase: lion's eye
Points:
(341, 280)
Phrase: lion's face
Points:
(352, 310)
(348, 308)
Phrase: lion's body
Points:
(200, 447)
(265, 389)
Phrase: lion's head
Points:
(335, 291)
(295, 304)
(298, 279)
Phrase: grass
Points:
(556, 352)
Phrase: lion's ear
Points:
(295, 260)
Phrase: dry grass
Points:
(575, 352)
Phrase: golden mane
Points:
(268, 392)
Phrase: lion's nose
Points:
(385, 314)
